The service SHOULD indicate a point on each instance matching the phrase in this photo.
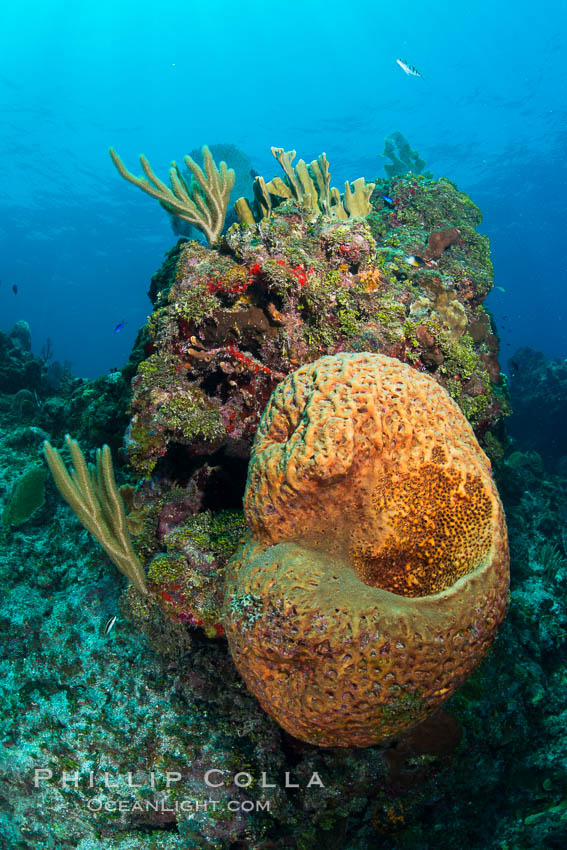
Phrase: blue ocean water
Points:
(94, 676)
(80, 244)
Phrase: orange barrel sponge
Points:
(376, 573)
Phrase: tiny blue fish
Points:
(110, 625)
(15, 289)
(119, 327)
(388, 200)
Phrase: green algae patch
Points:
(192, 416)
(165, 568)
(217, 533)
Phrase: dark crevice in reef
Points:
(225, 488)
(224, 478)
(215, 386)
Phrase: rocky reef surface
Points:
(408, 280)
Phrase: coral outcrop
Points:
(227, 327)
(377, 573)
(230, 323)
(19, 368)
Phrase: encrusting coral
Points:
(203, 202)
(439, 241)
(377, 572)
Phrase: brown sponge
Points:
(376, 574)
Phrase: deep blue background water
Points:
(162, 79)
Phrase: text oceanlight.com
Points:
(96, 804)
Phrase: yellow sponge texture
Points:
(376, 574)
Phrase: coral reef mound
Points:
(376, 575)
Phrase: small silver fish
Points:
(110, 625)
(409, 69)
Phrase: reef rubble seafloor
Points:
(159, 693)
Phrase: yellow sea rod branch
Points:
(92, 493)
(203, 202)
